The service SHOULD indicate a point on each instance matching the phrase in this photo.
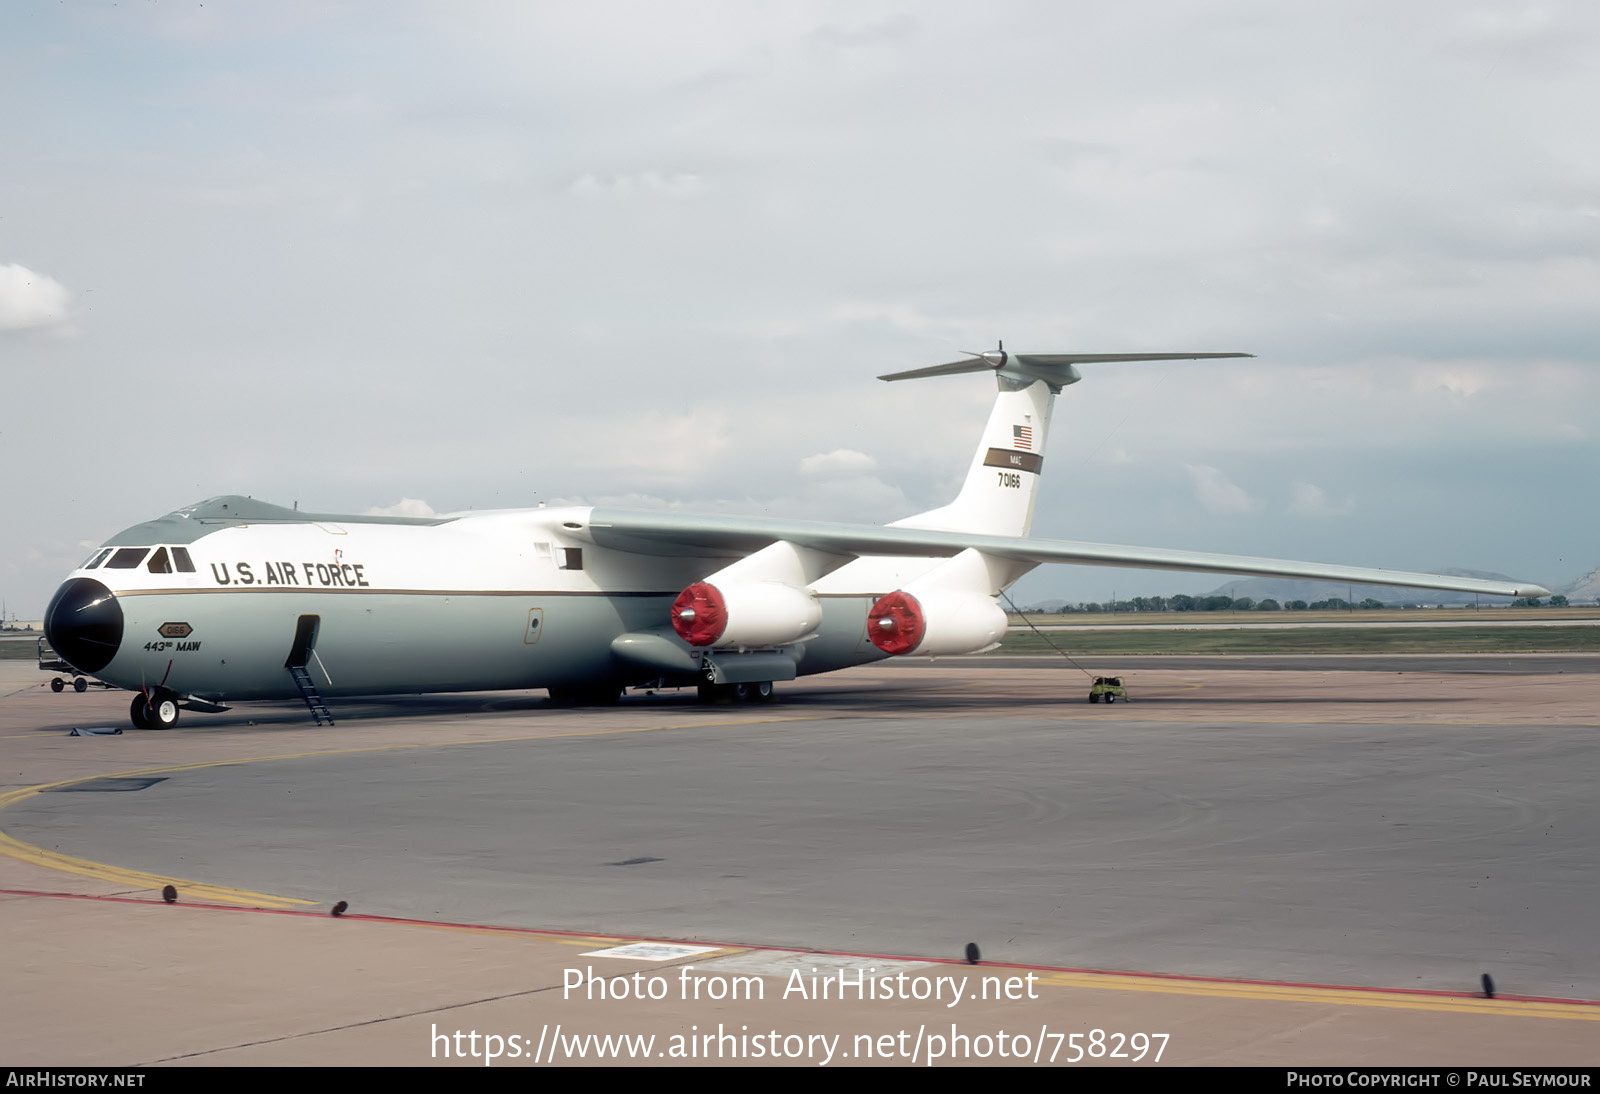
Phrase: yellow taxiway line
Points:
(34, 855)
(1326, 996)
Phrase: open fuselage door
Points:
(300, 655)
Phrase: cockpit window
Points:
(159, 563)
(127, 558)
(97, 559)
(180, 558)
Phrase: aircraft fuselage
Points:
(215, 607)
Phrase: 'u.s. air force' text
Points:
(337, 575)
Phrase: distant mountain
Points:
(1586, 588)
(1284, 590)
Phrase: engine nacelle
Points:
(935, 623)
(744, 614)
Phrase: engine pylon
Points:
(759, 602)
(949, 610)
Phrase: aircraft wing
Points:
(676, 534)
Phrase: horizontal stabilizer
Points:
(995, 360)
(976, 365)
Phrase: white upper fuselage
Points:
(479, 600)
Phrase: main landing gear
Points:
(156, 711)
(758, 692)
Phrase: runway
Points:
(1377, 830)
(1235, 624)
(1454, 664)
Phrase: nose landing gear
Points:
(155, 711)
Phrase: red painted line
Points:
(534, 931)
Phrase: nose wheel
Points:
(155, 712)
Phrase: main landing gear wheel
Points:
(158, 712)
(758, 692)
(163, 712)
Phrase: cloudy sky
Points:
(364, 255)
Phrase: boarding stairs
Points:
(308, 691)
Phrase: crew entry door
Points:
(305, 640)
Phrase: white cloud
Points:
(31, 301)
(679, 184)
(405, 507)
(839, 463)
(1307, 499)
(900, 316)
(1462, 381)
(862, 499)
(656, 445)
(889, 30)
(1218, 493)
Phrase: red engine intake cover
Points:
(699, 615)
(895, 623)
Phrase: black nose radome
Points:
(84, 624)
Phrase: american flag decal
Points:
(1022, 436)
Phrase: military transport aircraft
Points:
(234, 599)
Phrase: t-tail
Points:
(1002, 483)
